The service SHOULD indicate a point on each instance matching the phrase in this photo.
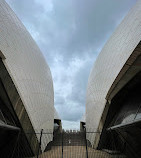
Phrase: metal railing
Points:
(64, 144)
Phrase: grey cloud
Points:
(80, 80)
(72, 27)
(71, 111)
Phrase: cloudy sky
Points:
(70, 34)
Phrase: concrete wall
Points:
(108, 65)
(28, 70)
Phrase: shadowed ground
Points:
(76, 152)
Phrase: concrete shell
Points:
(83, 119)
(108, 65)
(56, 115)
(27, 68)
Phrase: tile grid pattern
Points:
(27, 68)
(108, 65)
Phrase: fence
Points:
(65, 144)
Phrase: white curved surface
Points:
(28, 69)
(108, 65)
(56, 115)
(83, 119)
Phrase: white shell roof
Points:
(27, 68)
(56, 115)
(109, 63)
(83, 119)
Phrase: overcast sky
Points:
(70, 34)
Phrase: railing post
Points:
(62, 144)
(86, 144)
(40, 142)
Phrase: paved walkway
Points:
(76, 152)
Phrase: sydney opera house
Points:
(113, 101)
(113, 104)
(26, 87)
